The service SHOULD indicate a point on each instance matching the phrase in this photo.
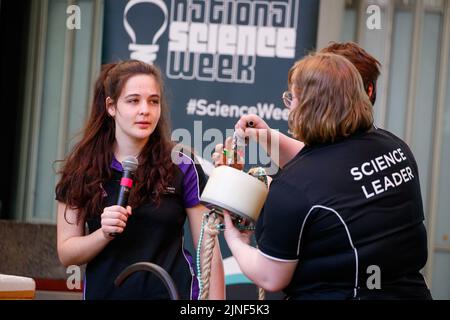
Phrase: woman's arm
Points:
(217, 280)
(76, 248)
(269, 274)
(288, 147)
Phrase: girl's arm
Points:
(76, 248)
(217, 280)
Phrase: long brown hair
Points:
(332, 103)
(88, 166)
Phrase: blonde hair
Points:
(332, 103)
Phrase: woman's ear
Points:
(370, 90)
(110, 108)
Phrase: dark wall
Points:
(29, 250)
(14, 23)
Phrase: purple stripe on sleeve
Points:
(195, 288)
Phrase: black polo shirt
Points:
(343, 209)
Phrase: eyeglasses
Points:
(287, 99)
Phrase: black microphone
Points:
(129, 165)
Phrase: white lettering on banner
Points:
(220, 40)
(209, 67)
(146, 52)
(205, 108)
(232, 40)
(380, 164)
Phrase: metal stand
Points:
(155, 269)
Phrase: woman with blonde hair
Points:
(344, 217)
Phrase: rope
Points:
(240, 226)
(212, 226)
(211, 231)
(261, 294)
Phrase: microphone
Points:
(129, 165)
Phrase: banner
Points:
(221, 59)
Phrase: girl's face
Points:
(137, 109)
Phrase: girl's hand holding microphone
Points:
(114, 220)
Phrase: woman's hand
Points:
(114, 220)
(232, 234)
(255, 128)
(225, 156)
(251, 126)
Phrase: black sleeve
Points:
(279, 225)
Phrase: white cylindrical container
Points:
(235, 191)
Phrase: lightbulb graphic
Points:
(145, 52)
